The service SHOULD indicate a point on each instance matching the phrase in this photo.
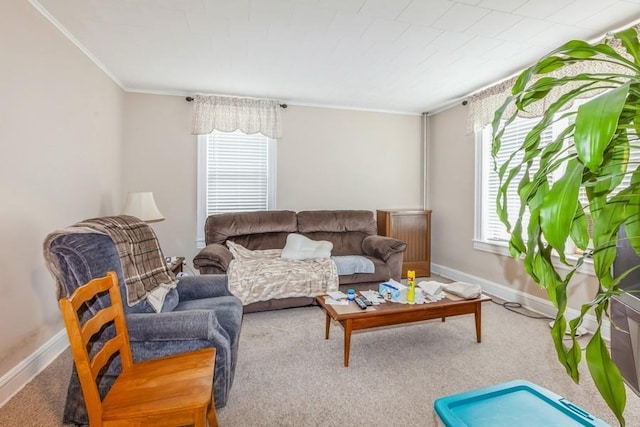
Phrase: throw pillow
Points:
(301, 247)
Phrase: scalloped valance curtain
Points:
(228, 114)
(483, 104)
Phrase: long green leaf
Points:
(632, 212)
(534, 233)
(606, 375)
(557, 334)
(516, 244)
(569, 358)
(605, 233)
(576, 49)
(629, 39)
(614, 165)
(501, 199)
(596, 123)
(559, 206)
(549, 64)
(580, 229)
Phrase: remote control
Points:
(361, 302)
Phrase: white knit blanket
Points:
(263, 275)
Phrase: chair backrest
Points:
(80, 334)
(81, 257)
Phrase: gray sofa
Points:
(352, 232)
(200, 312)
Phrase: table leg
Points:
(327, 325)
(347, 342)
(478, 316)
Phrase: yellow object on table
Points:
(411, 282)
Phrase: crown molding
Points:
(44, 12)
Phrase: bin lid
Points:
(515, 403)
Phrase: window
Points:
(236, 172)
(492, 229)
(490, 234)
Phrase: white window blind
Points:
(489, 228)
(236, 172)
(493, 229)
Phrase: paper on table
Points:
(431, 288)
(337, 294)
(331, 301)
(372, 296)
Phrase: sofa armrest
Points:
(205, 286)
(214, 256)
(173, 326)
(382, 247)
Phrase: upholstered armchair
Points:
(199, 312)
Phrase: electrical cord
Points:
(514, 306)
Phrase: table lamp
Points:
(142, 205)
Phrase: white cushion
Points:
(464, 290)
(301, 247)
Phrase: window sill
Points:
(503, 249)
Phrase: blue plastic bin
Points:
(514, 404)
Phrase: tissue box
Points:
(397, 290)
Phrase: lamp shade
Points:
(142, 205)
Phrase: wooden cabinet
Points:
(414, 228)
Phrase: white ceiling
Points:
(389, 55)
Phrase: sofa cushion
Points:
(351, 264)
(214, 256)
(337, 221)
(271, 227)
(344, 228)
(382, 247)
(381, 274)
(301, 247)
(343, 243)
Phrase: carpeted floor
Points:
(289, 375)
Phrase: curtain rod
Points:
(190, 99)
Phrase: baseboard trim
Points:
(20, 375)
(530, 302)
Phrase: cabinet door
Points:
(414, 228)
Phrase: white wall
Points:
(343, 159)
(61, 137)
(327, 159)
(160, 155)
(451, 171)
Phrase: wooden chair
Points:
(171, 391)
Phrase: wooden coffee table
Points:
(352, 318)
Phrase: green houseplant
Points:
(591, 154)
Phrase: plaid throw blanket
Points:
(144, 270)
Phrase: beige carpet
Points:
(289, 375)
